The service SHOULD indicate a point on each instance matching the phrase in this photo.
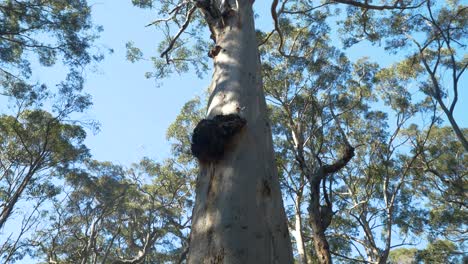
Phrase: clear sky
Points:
(133, 112)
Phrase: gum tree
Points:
(430, 35)
(38, 139)
(116, 215)
(304, 87)
(35, 130)
(238, 215)
(222, 216)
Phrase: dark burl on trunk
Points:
(211, 137)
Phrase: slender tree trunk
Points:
(8, 207)
(239, 215)
(385, 252)
(298, 237)
(454, 124)
(437, 94)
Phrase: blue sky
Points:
(133, 111)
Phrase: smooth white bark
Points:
(239, 215)
(298, 237)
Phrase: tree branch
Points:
(165, 53)
(377, 7)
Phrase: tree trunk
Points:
(10, 204)
(298, 237)
(239, 215)
(322, 248)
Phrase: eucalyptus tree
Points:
(35, 146)
(113, 215)
(238, 215)
(441, 177)
(34, 143)
(375, 199)
(77, 218)
(430, 35)
(376, 196)
(303, 87)
(109, 214)
(313, 101)
(37, 137)
(224, 220)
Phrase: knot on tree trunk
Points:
(214, 51)
(211, 137)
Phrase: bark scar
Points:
(266, 188)
(214, 51)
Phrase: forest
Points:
(331, 131)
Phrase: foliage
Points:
(403, 256)
(117, 215)
(431, 37)
(33, 147)
(39, 140)
(175, 55)
(441, 177)
(114, 215)
(377, 193)
(51, 31)
(439, 251)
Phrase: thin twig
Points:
(165, 53)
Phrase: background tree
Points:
(37, 137)
(441, 178)
(112, 215)
(24, 27)
(304, 116)
(431, 37)
(299, 84)
(440, 251)
(35, 146)
(401, 183)
(115, 216)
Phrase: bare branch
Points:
(297, 12)
(172, 14)
(349, 150)
(165, 53)
(274, 15)
(348, 258)
(396, 6)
